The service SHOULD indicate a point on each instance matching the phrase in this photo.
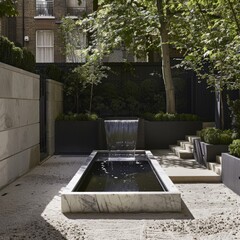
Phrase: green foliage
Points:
(208, 34)
(77, 117)
(81, 78)
(164, 116)
(16, 56)
(7, 8)
(161, 116)
(216, 136)
(116, 25)
(234, 148)
(28, 61)
(234, 107)
(117, 105)
(148, 116)
(54, 72)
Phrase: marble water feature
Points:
(121, 179)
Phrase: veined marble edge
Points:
(161, 173)
(120, 193)
(71, 185)
(173, 193)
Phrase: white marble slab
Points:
(116, 202)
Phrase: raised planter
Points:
(78, 136)
(86, 136)
(161, 134)
(231, 172)
(210, 151)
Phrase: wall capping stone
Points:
(18, 70)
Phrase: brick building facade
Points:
(37, 26)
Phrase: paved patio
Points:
(30, 209)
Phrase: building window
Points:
(73, 9)
(44, 8)
(44, 46)
(75, 45)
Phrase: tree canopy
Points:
(207, 33)
(133, 25)
(7, 8)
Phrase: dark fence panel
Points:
(43, 129)
(192, 96)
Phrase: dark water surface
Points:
(118, 175)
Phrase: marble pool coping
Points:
(121, 202)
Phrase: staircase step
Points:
(191, 138)
(185, 145)
(219, 159)
(189, 147)
(175, 148)
(181, 142)
(181, 153)
(185, 154)
(215, 167)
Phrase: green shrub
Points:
(117, 105)
(234, 107)
(161, 116)
(77, 117)
(165, 116)
(148, 116)
(16, 56)
(54, 72)
(216, 136)
(234, 148)
(28, 61)
(187, 117)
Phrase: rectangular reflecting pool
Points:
(121, 183)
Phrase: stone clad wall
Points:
(54, 108)
(19, 122)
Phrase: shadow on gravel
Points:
(23, 203)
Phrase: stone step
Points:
(181, 153)
(185, 145)
(189, 147)
(181, 142)
(219, 159)
(215, 167)
(190, 138)
(175, 148)
(185, 154)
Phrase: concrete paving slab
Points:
(184, 170)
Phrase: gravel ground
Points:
(30, 209)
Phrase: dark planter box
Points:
(77, 136)
(85, 136)
(210, 151)
(231, 172)
(197, 151)
(161, 134)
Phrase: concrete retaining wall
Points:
(19, 122)
(54, 108)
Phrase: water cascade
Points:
(121, 135)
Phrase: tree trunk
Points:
(166, 71)
(166, 65)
